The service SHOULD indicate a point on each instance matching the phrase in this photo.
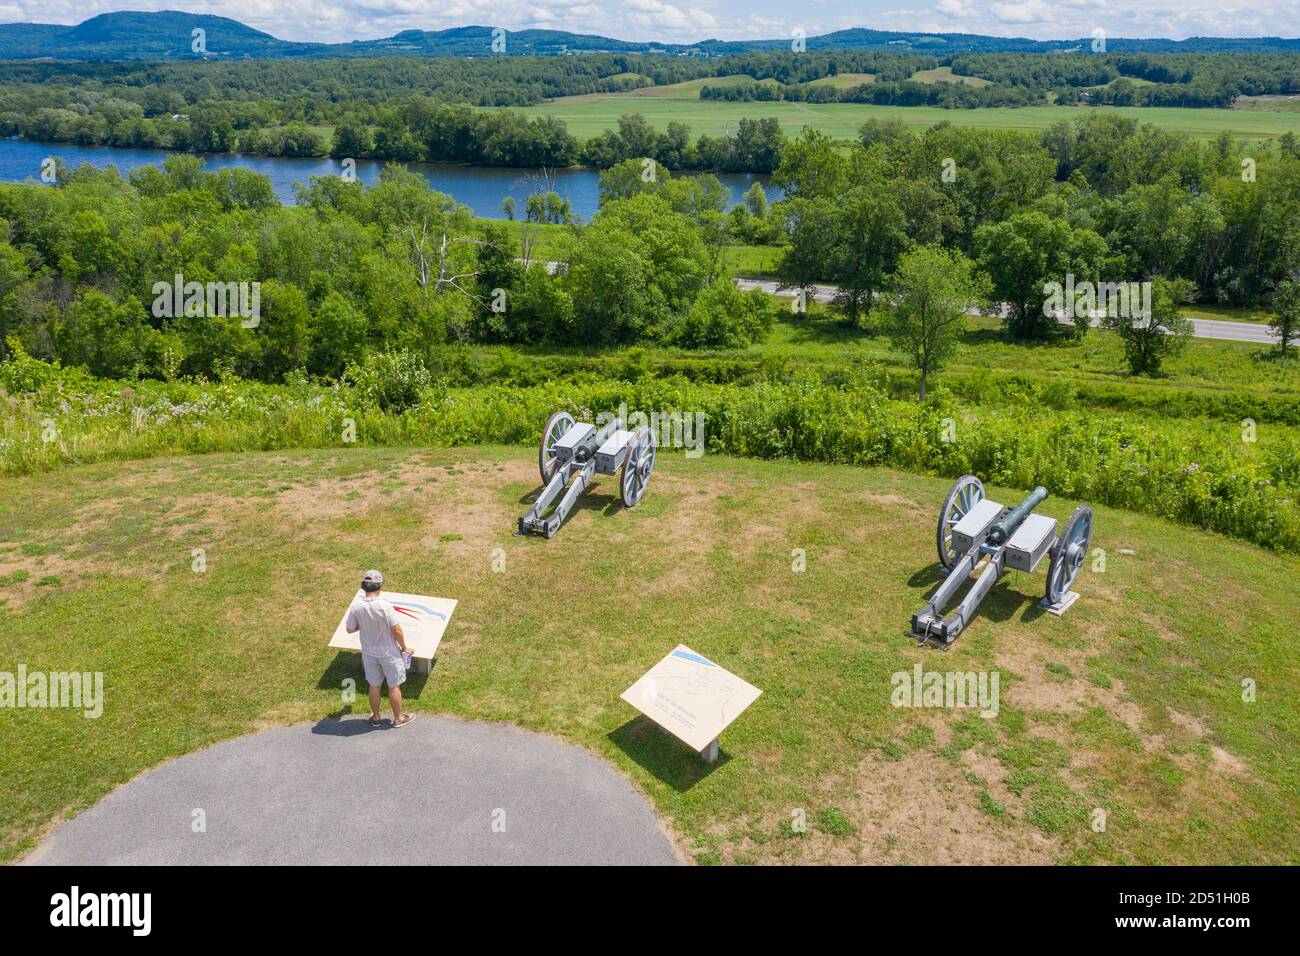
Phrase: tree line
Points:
(914, 229)
(348, 273)
(1100, 200)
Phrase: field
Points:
(686, 90)
(1131, 705)
(844, 81)
(1287, 104)
(594, 113)
(944, 74)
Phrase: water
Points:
(481, 188)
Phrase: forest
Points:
(442, 328)
(278, 107)
(398, 266)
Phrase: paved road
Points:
(341, 792)
(1201, 328)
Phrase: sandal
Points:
(376, 721)
(406, 719)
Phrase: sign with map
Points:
(691, 697)
(423, 621)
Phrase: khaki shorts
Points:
(389, 667)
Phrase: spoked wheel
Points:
(959, 502)
(1068, 554)
(559, 423)
(638, 465)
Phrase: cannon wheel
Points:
(965, 492)
(558, 424)
(637, 466)
(1068, 554)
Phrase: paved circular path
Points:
(340, 792)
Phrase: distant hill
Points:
(168, 35)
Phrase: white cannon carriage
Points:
(572, 453)
(975, 531)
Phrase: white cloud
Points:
(1027, 11)
(652, 15)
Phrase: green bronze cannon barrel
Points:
(1005, 526)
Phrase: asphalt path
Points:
(1201, 328)
(439, 791)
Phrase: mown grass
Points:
(591, 114)
(752, 261)
(1175, 622)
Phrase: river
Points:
(481, 188)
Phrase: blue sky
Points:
(688, 20)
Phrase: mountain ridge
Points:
(168, 35)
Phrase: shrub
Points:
(390, 381)
(1196, 472)
(723, 317)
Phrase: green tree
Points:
(812, 227)
(1027, 252)
(351, 140)
(338, 335)
(498, 275)
(109, 339)
(933, 288)
(870, 234)
(282, 330)
(631, 177)
(14, 271)
(636, 265)
(723, 317)
(1158, 329)
(1286, 314)
(811, 167)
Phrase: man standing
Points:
(382, 646)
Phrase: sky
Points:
(685, 21)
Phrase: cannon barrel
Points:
(597, 438)
(1005, 526)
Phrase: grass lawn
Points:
(1206, 365)
(1228, 313)
(547, 240)
(1131, 703)
(685, 90)
(752, 261)
(326, 133)
(594, 113)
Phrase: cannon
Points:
(572, 453)
(974, 530)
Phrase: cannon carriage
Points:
(572, 453)
(975, 532)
